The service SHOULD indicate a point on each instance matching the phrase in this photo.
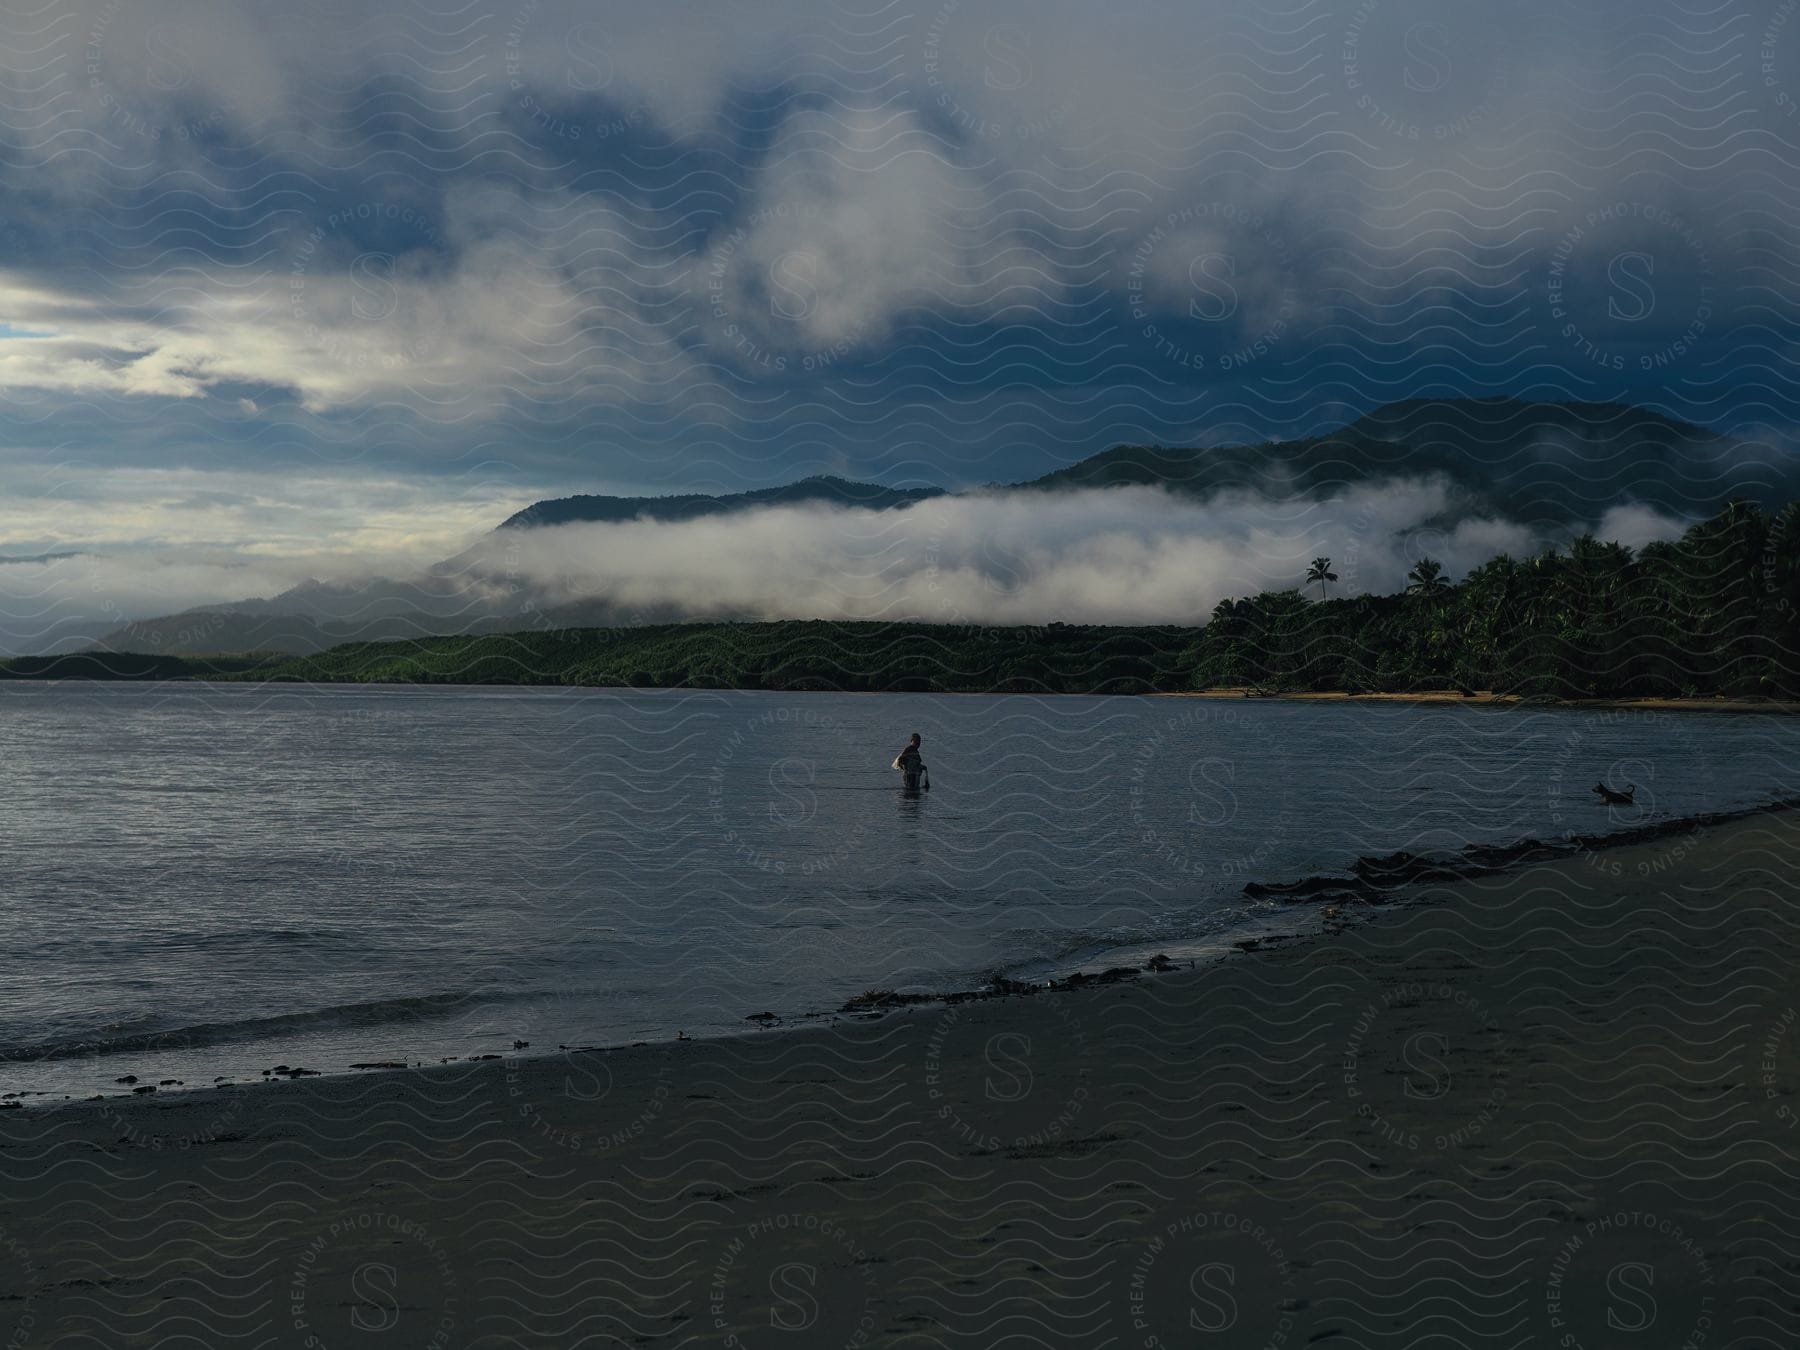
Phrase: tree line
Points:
(1715, 612)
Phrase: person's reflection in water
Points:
(911, 765)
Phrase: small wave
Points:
(234, 939)
(136, 944)
(376, 1013)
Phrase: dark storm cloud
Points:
(652, 199)
(551, 244)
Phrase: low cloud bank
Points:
(68, 602)
(1118, 556)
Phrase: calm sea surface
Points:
(213, 880)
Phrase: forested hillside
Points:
(795, 655)
(1716, 612)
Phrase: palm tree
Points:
(1321, 572)
(1427, 579)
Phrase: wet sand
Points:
(1551, 1106)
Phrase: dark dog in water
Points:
(1612, 798)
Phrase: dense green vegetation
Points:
(793, 655)
(1716, 612)
(128, 666)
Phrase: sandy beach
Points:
(1551, 1106)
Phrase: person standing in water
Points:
(911, 765)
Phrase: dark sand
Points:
(1553, 1107)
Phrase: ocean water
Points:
(208, 881)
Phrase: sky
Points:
(327, 288)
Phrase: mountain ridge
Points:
(1551, 466)
(824, 488)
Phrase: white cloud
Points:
(857, 216)
(1634, 526)
(1114, 556)
(297, 526)
(1123, 555)
(340, 323)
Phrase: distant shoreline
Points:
(1223, 660)
(1488, 698)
